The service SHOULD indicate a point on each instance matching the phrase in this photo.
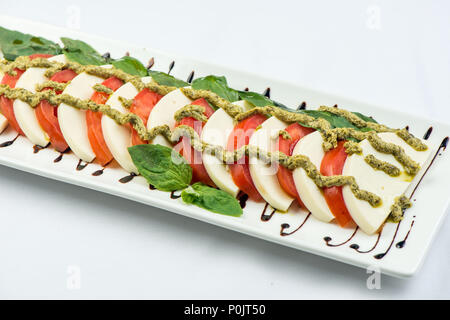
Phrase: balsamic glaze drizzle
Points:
(328, 239)
(383, 254)
(58, 158)
(428, 133)
(172, 64)
(284, 226)
(246, 89)
(302, 106)
(150, 64)
(174, 196)
(8, 143)
(402, 243)
(242, 198)
(98, 172)
(355, 246)
(128, 178)
(267, 92)
(37, 148)
(266, 217)
(81, 166)
(442, 147)
(151, 187)
(190, 77)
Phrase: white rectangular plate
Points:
(420, 225)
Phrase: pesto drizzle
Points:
(330, 136)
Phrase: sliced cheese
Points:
(3, 123)
(216, 132)
(370, 219)
(264, 175)
(118, 137)
(164, 111)
(73, 121)
(311, 195)
(24, 113)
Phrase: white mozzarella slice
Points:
(264, 175)
(73, 121)
(216, 132)
(118, 137)
(370, 219)
(25, 115)
(163, 113)
(311, 195)
(3, 123)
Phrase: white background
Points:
(394, 53)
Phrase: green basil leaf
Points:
(131, 66)
(211, 199)
(165, 79)
(81, 52)
(162, 167)
(14, 44)
(364, 117)
(257, 99)
(218, 85)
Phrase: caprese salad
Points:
(206, 138)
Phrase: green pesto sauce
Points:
(126, 103)
(102, 88)
(352, 147)
(398, 208)
(190, 110)
(284, 134)
(57, 86)
(384, 166)
(330, 136)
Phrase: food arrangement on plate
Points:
(216, 145)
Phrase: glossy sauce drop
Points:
(151, 187)
(302, 106)
(402, 243)
(266, 217)
(382, 255)
(355, 246)
(150, 64)
(61, 154)
(98, 172)
(58, 158)
(128, 178)
(37, 148)
(242, 198)
(428, 133)
(8, 143)
(267, 93)
(81, 166)
(172, 64)
(191, 77)
(284, 226)
(174, 196)
(328, 239)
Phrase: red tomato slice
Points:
(142, 105)
(240, 172)
(192, 156)
(47, 114)
(284, 175)
(6, 105)
(94, 123)
(332, 164)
